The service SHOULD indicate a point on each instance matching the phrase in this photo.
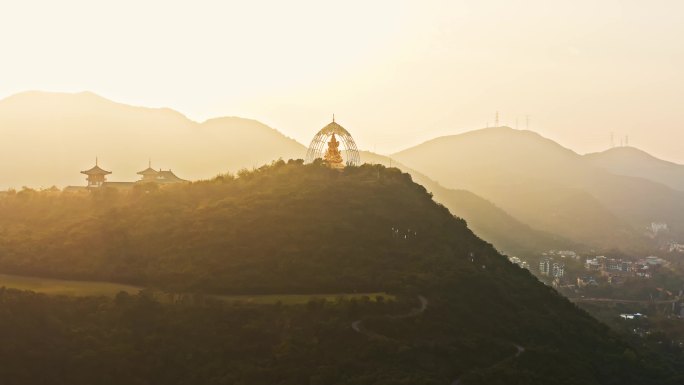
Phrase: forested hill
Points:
(291, 228)
(280, 228)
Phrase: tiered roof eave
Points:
(96, 170)
(148, 171)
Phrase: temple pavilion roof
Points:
(168, 176)
(96, 170)
(148, 171)
(159, 176)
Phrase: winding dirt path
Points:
(358, 327)
(519, 350)
(358, 324)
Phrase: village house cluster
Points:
(559, 264)
(674, 247)
(550, 268)
(617, 269)
(519, 262)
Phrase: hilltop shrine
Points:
(96, 177)
(325, 145)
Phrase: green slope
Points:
(289, 228)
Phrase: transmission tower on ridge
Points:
(612, 140)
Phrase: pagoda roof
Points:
(96, 170)
(168, 176)
(160, 176)
(148, 171)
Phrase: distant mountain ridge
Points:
(514, 187)
(631, 161)
(549, 187)
(72, 129)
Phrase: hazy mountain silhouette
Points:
(49, 137)
(488, 221)
(524, 178)
(631, 161)
(548, 186)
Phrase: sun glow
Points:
(399, 72)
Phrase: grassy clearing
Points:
(297, 299)
(108, 289)
(65, 287)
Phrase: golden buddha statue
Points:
(333, 157)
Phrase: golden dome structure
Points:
(325, 146)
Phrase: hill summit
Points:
(631, 161)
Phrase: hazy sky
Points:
(395, 73)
